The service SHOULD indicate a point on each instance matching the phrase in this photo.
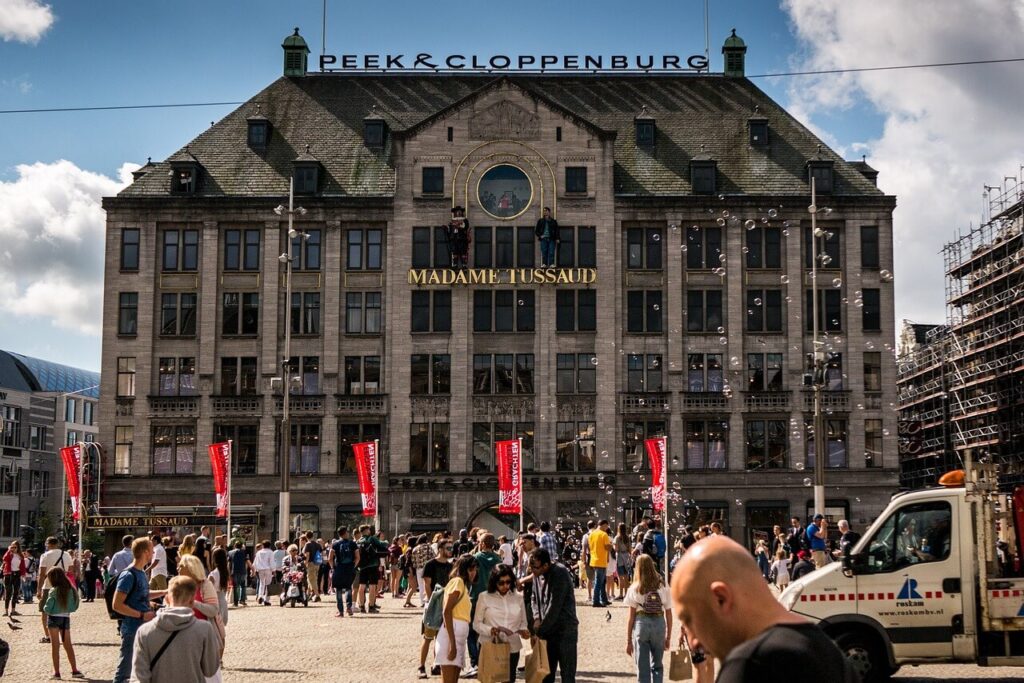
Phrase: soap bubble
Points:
(837, 282)
(604, 454)
(749, 224)
(757, 301)
(721, 196)
(656, 307)
(657, 236)
(772, 213)
(522, 303)
(798, 466)
(785, 232)
(725, 214)
(723, 340)
(721, 222)
(807, 481)
(784, 279)
(739, 503)
(721, 330)
(885, 276)
(593, 361)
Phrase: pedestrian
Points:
(501, 615)
(817, 537)
(218, 578)
(203, 552)
(131, 600)
(547, 539)
(53, 557)
(188, 647)
(761, 555)
(158, 570)
(323, 577)
(279, 554)
(600, 545)
(547, 232)
(395, 552)
(435, 576)
(29, 582)
(450, 647)
(343, 559)
(780, 570)
(61, 601)
(554, 614)
(171, 546)
(848, 539)
(15, 569)
(312, 553)
(623, 560)
(263, 568)
(725, 606)
(587, 574)
(796, 538)
(505, 550)
(240, 566)
(649, 627)
(188, 546)
(654, 543)
(371, 549)
(486, 559)
(803, 566)
(91, 576)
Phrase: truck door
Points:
(910, 582)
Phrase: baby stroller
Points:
(294, 586)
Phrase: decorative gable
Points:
(504, 121)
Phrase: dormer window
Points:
(821, 172)
(703, 175)
(259, 133)
(184, 178)
(306, 178)
(645, 132)
(758, 132)
(373, 133)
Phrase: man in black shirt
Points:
(554, 613)
(848, 539)
(726, 607)
(803, 566)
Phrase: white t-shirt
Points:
(16, 561)
(505, 550)
(634, 598)
(264, 560)
(51, 558)
(160, 554)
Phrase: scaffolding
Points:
(963, 389)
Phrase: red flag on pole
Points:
(366, 468)
(656, 455)
(72, 456)
(510, 477)
(220, 459)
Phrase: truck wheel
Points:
(865, 656)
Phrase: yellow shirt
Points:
(462, 607)
(599, 542)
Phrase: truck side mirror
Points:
(852, 563)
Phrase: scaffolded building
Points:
(963, 390)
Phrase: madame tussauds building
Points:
(671, 297)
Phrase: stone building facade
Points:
(676, 305)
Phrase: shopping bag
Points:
(274, 588)
(537, 662)
(680, 668)
(494, 662)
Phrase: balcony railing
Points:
(236, 405)
(301, 403)
(769, 401)
(705, 401)
(645, 402)
(361, 404)
(830, 400)
(174, 406)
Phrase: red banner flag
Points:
(72, 456)
(220, 459)
(366, 468)
(510, 477)
(656, 455)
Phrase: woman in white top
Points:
(501, 614)
(263, 565)
(780, 569)
(650, 620)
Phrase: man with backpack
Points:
(343, 558)
(188, 647)
(314, 557)
(654, 545)
(130, 599)
(371, 549)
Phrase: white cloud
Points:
(24, 21)
(947, 131)
(52, 241)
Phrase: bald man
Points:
(724, 605)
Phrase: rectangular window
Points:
(349, 435)
(430, 374)
(363, 249)
(834, 372)
(873, 443)
(869, 257)
(354, 249)
(764, 372)
(442, 314)
(130, 249)
(704, 372)
(421, 248)
(504, 247)
(872, 371)
(766, 444)
(574, 446)
(180, 250)
(305, 313)
(643, 248)
(525, 247)
(238, 376)
(483, 248)
(704, 310)
(822, 175)
(871, 313)
(830, 317)
(10, 426)
(362, 313)
(827, 248)
(124, 438)
(482, 373)
(70, 410)
(428, 447)
(577, 247)
(87, 411)
(703, 177)
(703, 248)
(128, 313)
(705, 444)
(643, 372)
(503, 310)
(304, 446)
(232, 249)
(835, 440)
(485, 434)
(362, 375)
(576, 179)
(764, 248)
(576, 373)
(764, 310)
(576, 310)
(634, 433)
(433, 180)
(174, 449)
(643, 311)
(442, 254)
(178, 314)
(306, 177)
(524, 373)
(240, 313)
(420, 310)
(37, 437)
(306, 251)
(244, 447)
(241, 250)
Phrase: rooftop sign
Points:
(425, 61)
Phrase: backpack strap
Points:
(163, 648)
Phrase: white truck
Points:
(926, 583)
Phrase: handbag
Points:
(680, 667)
(274, 588)
(494, 662)
(537, 667)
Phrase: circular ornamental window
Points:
(504, 191)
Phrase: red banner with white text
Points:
(72, 456)
(510, 477)
(656, 455)
(220, 460)
(366, 469)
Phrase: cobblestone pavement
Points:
(272, 644)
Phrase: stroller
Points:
(293, 589)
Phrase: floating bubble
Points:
(657, 236)
(722, 258)
(721, 330)
(683, 248)
(772, 213)
(725, 214)
(807, 481)
(721, 222)
(837, 282)
(757, 301)
(885, 276)
(764, 219)
(745, 250)
(885, 432)
(749, 224)
(784, 279)
(604, 454)
(785, 232)
(825, 259)
(739, 503)
(720, 271)
(723, 340)
(798, 465)
(734, 360)
(721, 196)
(593, 361)
(522, 303)
(674, 227)
(656, 307)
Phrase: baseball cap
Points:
(818, 516)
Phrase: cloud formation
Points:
(947, 131)
(52, 242)
(24, 21)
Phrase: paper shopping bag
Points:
(494, 662)
(680, 668)
(537, 662)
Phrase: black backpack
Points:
(368, 552)
(108, 594)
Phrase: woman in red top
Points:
(15, 568)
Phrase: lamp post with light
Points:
(817, 360)
(287, 258)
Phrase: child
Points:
(60, 603)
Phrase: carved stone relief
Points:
(429, 510)
(504, 121)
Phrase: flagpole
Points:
(376, 486)
(664, 507)
(522, 487)
(231, 453)
(81, 490)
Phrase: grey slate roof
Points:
(326, 112)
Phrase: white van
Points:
(924, 584)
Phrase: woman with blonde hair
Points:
(649, 626)
(188, 546)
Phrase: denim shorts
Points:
(59, 623)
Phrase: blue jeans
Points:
(600, 586)
(648, 648)
(238, 590)
(547, 252)
(128, 629)
(344, 575)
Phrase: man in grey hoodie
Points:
(175, 646)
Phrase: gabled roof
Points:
(327, 111)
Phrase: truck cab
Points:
(923, 585)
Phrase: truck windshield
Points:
(913, 534)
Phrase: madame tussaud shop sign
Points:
(425, 61)
(503, 276)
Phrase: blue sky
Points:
(120, 53)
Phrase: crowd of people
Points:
(170, 600)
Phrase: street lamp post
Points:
(83, 447)
(284, 498)
(817, 361)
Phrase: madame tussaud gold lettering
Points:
(503, 276)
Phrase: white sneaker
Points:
(470, 673)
